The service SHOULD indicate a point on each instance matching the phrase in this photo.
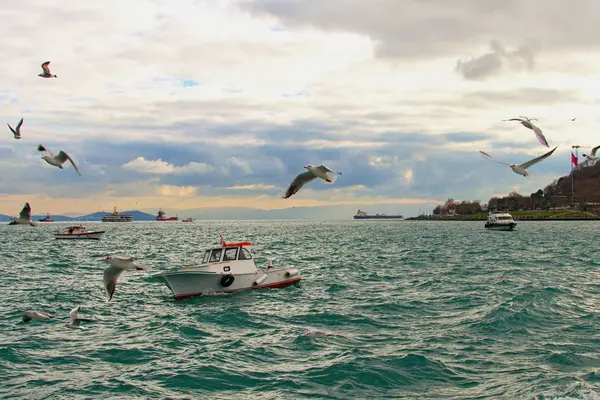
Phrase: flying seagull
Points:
(17, 132)
(592, 156)
(520, 169)
(323, 172)
(526, 122)
(118, 264)
(29, 315)
(46, 69)
(58, 160)
(74, 322)
(24, 217)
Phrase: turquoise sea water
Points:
(418, 310)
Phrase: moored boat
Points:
(47, 218)
(499, 220)
(79, 232)
(226, 268)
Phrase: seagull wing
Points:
(594, 150)
(539, 135)
(46, 68)
(536, 160)
(19, 126)
(73, 314)
(111, 275)
(516, 119)
(123, 257)
(298, 182)
(62, 157)
(25, 212)
(330, 175)
(12, 130)
(487, 156)
(325, 168)
(42, 148)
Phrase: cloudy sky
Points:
(187, 104)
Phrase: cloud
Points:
(492, 63)
(140, 164)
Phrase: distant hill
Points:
(137, 216)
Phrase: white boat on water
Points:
(226, 268)
(499, 220)
(79, 232)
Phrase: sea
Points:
(385, 310)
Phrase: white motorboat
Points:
(227, 268)
(79, 232)
(499, 220)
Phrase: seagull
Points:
(29, 315)
(526, 122)
(573, 119)
(17, 132)
(521, 169)
(592, 156)
(58, 160)
(46, 69)
(323, 172)
(24, 217)
(118, 264)
(74, 322)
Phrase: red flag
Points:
(573, 159)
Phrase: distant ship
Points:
(360, 214)
(162, 216)
(116, 217)
(47, 218)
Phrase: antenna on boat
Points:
(269, 263)
(222, 241)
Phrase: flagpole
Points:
(576, 147)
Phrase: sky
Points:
(220, 103)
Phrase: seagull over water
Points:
(592, 156)
(74, 322)
(526, 122)
(16, 132)
(57, 160)
(24, 217)
(46, 68)
(521, 169)
(29, 315)
(323, 172)
(118, 264)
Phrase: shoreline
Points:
(517, 219)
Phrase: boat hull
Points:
(80, 236)
(187, 283)
(378, 217)
(500, 227)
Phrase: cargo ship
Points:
(360, 214)
(162, 216)
(116, 217)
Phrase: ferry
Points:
(360, 214)
(162, 216)
(499, 220)
(116, 217)
(47, 218)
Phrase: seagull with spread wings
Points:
(526, 122)
(521, 169)
(57, 160)
(24, 217)
(323, 172)
(118, 264)
(74, 321)
(592, 156)
(17, 131)
(46, 68)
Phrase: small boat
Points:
(499, 220)
(187, 220)
(79, 232)
(47, 218)
(226, 268)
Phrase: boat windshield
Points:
(244, 254)
(215, 255)
(230, 254)
(206, 256)
(504, 218)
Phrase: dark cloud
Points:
(415, 28)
